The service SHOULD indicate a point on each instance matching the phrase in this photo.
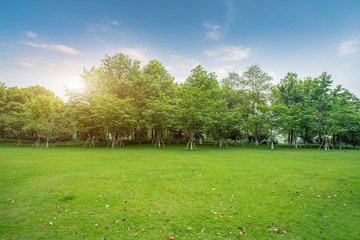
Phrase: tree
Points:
(321, 98)
(221, 121)
(196, 98)
(84, 116)
(15, 117)
(64, 135)
(160, 116)
(115, 116)
(160, 99)
(343, 115)
(41, 112)
(2, 109)
(257, 84)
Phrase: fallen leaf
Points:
(85, 234)
(43, 227)
(51, 223)
(203, 230)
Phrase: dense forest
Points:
(123, 101)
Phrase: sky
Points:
(49, 43)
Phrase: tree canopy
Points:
(122, 100)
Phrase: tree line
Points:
(123, 101)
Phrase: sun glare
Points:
(74, 84)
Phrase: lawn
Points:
(140, 192)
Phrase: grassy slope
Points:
(155, 193)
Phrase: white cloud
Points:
(222, 72)
(229, 53)
(213, 32)
(116, 23)
(272, 74)
(348, 47)
(136, 53)
(54, 47)
(179, 66)
(25, 64)
(31, 35)
(98, 28)
(106, 24)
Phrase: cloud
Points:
(116, 23)
(32, 35)
(222, 72)
(136, 53)
(54, 48)
(213, 32)
(229, 53)
(230, 15)
(106, 24)
(25, 64)
(272, 74)
(180, 66)
(348, 47)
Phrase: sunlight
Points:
(74, 84)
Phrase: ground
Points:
(144, 192)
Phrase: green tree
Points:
(2, 109)
(160, 116)
(115, 116)
(344, 114)
(196, 98)
(64, 135)
(221, 121)
(257, 85)
(14, 112)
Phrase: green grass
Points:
(161, 193)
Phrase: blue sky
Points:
(48, 43)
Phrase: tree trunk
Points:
(113, 141)
(289, 139)
(159, 139)
(152, 135)
(326, 144)
(340, 147)
(37, 142)
(306, 138)
(191, 142)
(19, 143)
(256, 136)
(222, 142)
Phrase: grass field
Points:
(140, 192)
